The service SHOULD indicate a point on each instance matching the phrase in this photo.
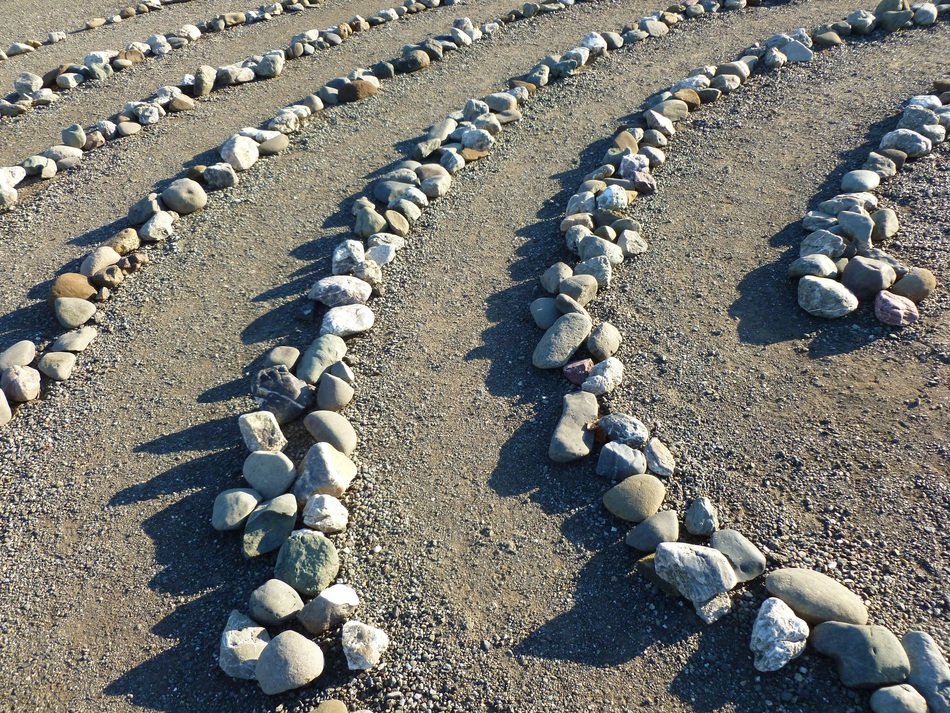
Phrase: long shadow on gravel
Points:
(767, 308)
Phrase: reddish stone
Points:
(895, 310)
(577, 371)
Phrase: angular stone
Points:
(702, 519)
(347, 320)
(324, 471)
(815, 597)
(778, 636)
(865, 277)
(240, 151)
(908, 141)
(280, 392)
(825, 298)
(331, 608)
(620, 461)
(75, 341)
(659, 459)
(895, 310)
(635, 498)
(58, 366)
(625, 429)
(20, 383)
(363, 645)
(308, 562)
(241, 644)
(572, 438)
(261, 432)
(866, 656)
(326, 514)
(698, 573)
(269, 525)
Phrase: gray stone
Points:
(821, 297)
(656, 529)
(333, 393)
(859, 180)
(902, 698)
(857, 226)
(795, 51)
(308, 562)
(908, 141)
(778, 636)
(598, 267)
(219, 176)
(325, 471)
(269, 473)
(274, 602)
(815, 597)
(865, 277)
(746, 559)
(325, 351)
(185, 196)
(328, 610)
(280, 392)
(241, 644)
(545, 312)
(604, 341)
(866, 656)
(882, 165)
(582, 288)
(659, 459)
(929, 672)
(74, 136)
(698, 573)
(58, 366)
(625, 429)
(286, 356)
(330, 427)
(269, 525)
(815, 265)
(635, 498)
(620, 461)
(363, 645)
(232, 508)
(72, 312)
(26, 83)
(822, 242)
(702, 519)
(561, 340)
(20, 354)
(572, 438)
(289, 661)
(885, 225)
(158, 228)
(261, 432)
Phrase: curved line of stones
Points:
(598, 231)
(77, 140)
(32, 90)
(25, 47)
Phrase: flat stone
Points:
(232, 508)
(241, 644)
(573, 438)
(635, 498)
(58, 366)
(929, 672)
(815, 597)
(656, 529)
(308, 562)
(821, 297)
(620, 461)
(269, 525)
(261, 432)
(347, 320)
(324, 471)
(326, 514)
(330, 609)
(20, 354)
(274, 602)
(289, 661)
(778, 636)
(902, 698)
(822, 242)
(698, 573)
(322, 353)
(269, 473)
(286, 356)
(702, 519)
(561, 340)
(866, 656)
(659, 459)
(72, 312)
(363, 645)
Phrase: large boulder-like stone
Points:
(573, 437)
(289, 661)
(867, 656)
(308, 562)
(816, 597)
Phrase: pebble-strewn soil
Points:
(502, 581)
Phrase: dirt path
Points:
(109, 484)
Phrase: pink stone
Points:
(894, 310)
(577, 371)
(644, 183)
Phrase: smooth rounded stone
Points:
(307, 561)
(698, 573)
(274, 602)
(865, 277)
(702, 519)
(604, 341)
(655, 530)
(859, 180)
(866, 656)
(778, 636)
(916, 285)
(323, 352)
(581, 288)
(73, 312)
(815, 597)
(885, 225)
(333, 393)
(72, 285)
(561, 340)
(6, 415)
(544, 311)
(185, 196)
(240, 151)
(58, 366)
(330, 427)
(340, 290)
(437, 186)
(746, 559)
(39, 166)
(127, 128)
(289, 661)
(363, 645)
(20, 354)
(269, 473)
(572, 439)
(232, 507)
(274, 145)
(20, 383)
(280, 392)
(261, 432)
(617, 460)
(895, 310)
(281, 356)
(269, 525)
(62, 154)
(324, 471)
(726, 83)
(821, 297)
(75, 341)
(659, 459)
(331, 608)
(591, 246)
(326, 514)
(99, 259)
(815, 265)
(929, 672)
(636, 498)
(908, 141)
(902, 698)
(74, 136)
(357, 90)
(241, 644)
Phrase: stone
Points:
(280, 392)
(356, 90)
(816, 265)
(58, 366)
(866, 656)
(324, 471)
(6, 415)
(698, 573)
(902, 698)
(552, 277)
(702, 519)
(333, 393)
(74, 136)
(185, 196)
(274, 145)
(269, 473)
(857, 226)
(822, 242)
(75, 341)
(895, 310)
(326, 514)
(241, 644)
(322, 353)
(100, 258)
(635, 498)
(330, 609)
(124, 242)
(363, 645)
(908, 141)
(561, 340)
(347, 320)
(659, 459)
(261, 432)
(572, 437)
(882, 165)
(631, 243)
(821, 297)
(307, 561)
(795, 51)
(859, 180)
(269, 525)
(929, 672)
(127, 128)
(20, 354)
(289, 661)
(271, 65)
(576, 371)
(604, 377)
(545, 312)
(157, 228)
(816, 597)
(274, 603)
(73, 312)
(20, 383)
(219, 176)
(26, 83)
(604, 341)
(240, 151)
(40, 166)
(617, 460)
(865, 277)
(72, 285)
(885, 225)
(778, 636)
(655, 530)
(623, 428)
(232, 508)
(916, 285)
(330, 427)
(747, 560)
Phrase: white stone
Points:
(698, 573)
(240, 151)
(261, 432)
(363, 645)
(242, 642)
(604, 377)
(347, 320)
(326, 514)
(333, 606)
(778, 636)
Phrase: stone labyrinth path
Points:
(561, 357)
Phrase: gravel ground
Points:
(504, 587)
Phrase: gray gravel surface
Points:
(504, 585)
